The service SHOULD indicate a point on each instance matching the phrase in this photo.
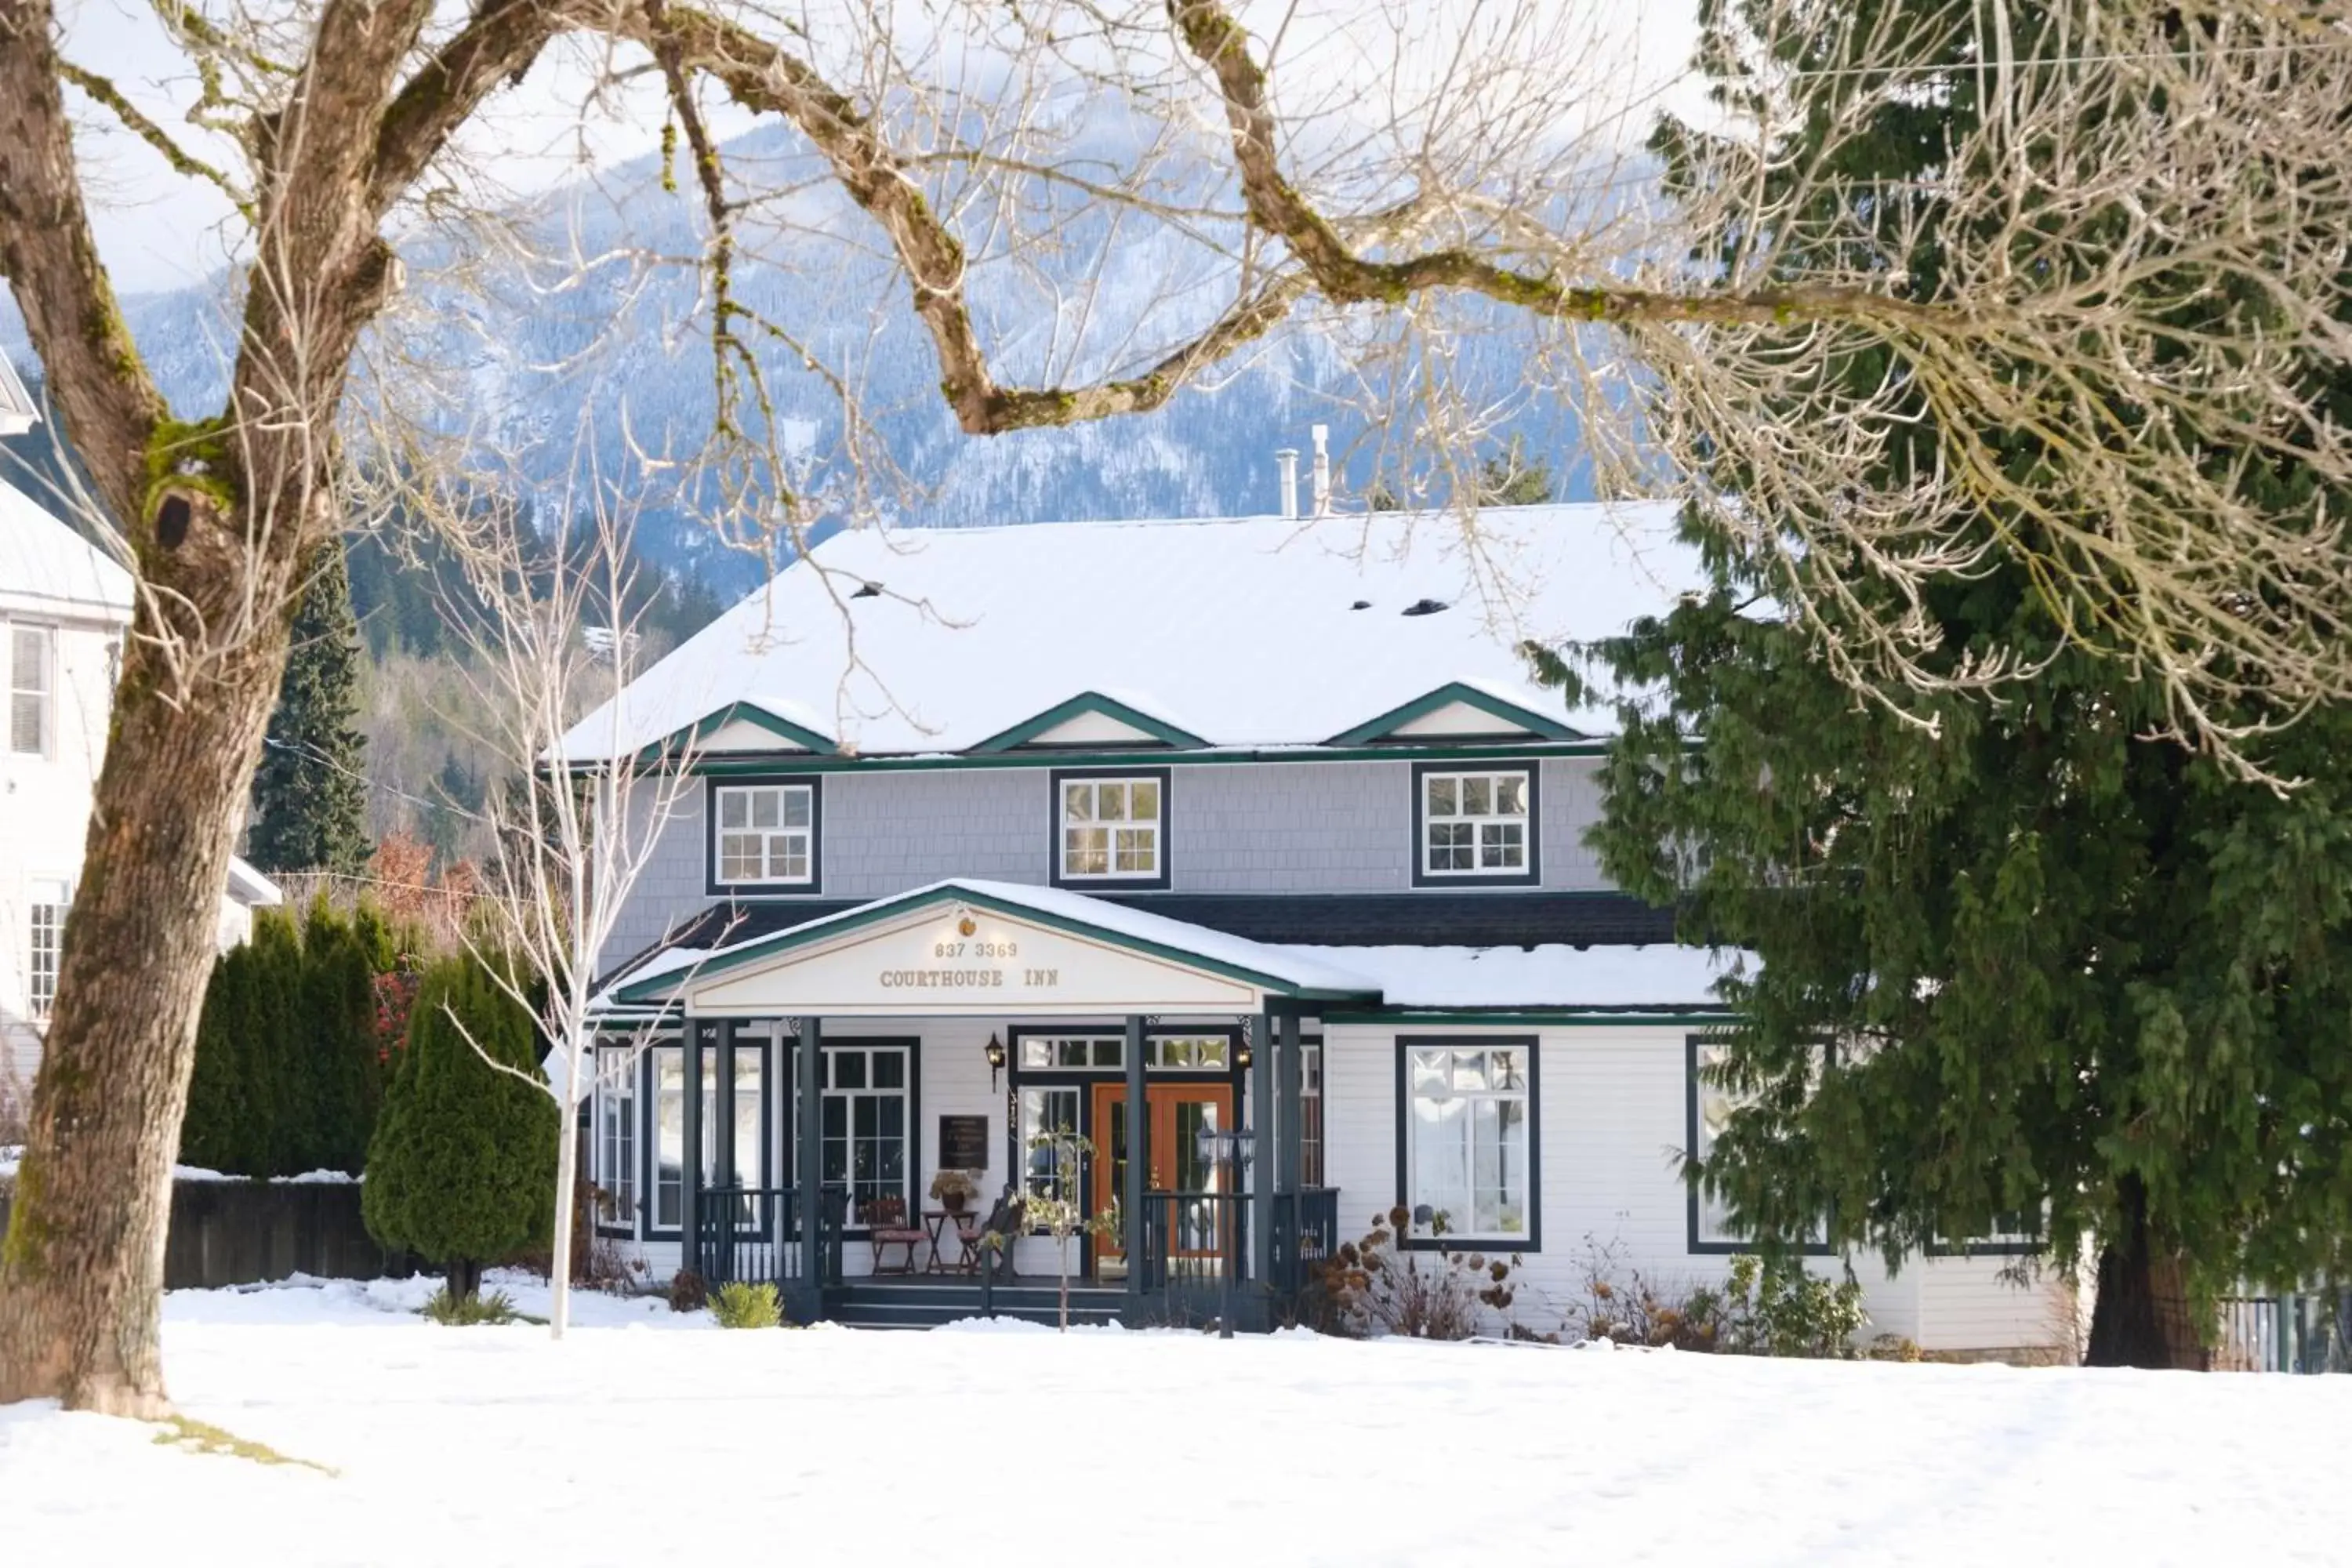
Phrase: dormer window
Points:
(1475, 825)
(1111, 828)
(764, 836)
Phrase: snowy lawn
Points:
(632, 1444)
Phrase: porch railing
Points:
(752, 1234)
(2300, 1332)
(1192, 1243)
(1306, 1234)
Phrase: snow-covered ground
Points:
(630, 1445)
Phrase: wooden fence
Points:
(243, 1233)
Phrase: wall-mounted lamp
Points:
(1242, 1057)
(995, 1061)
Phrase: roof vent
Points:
(1361, 605)
(1425, 606)
(867, 591)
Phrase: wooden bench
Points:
(887, 1226)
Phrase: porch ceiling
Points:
(964, 946)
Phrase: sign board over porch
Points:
(965, 948)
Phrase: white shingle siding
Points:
(1611, 1121)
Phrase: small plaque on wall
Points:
(963, 1142)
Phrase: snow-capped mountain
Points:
(523, 349)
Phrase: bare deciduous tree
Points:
(1411, 172)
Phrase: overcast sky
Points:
(159, 230)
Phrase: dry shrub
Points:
(1376, 1286)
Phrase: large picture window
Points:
(1467, 1161)
(1475, 825)
(32, 690)
(1710, 1108)
(1111, 828)
(764, 835)
(1045, 1109)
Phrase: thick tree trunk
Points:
(81, 1272)
(2144, 1315)
(465, 1278)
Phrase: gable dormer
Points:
(1456, 711)
(1092, 721)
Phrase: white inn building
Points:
(1149, 831)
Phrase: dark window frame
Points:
(1528, 1240)
(789, 1151)
(713, 885)
(1697, 1248)
(1530, 877)
(1130, 884)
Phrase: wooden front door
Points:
(1178, 1112)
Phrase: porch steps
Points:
(869, 1304)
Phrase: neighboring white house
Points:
(64, 610)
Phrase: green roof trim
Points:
(889, 909)
(1086, 702)
(751, 713)
(722, 763)
(1447, 696)
(1579, 1017)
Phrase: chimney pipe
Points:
(1322, 469)
(1288, 459)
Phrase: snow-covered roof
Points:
(45, 568)
(17, 412)
(250, 887)
(1552, 976)
(1254, 632)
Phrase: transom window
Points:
(767, 833)
(1110, 830)
(32, 679)
(1477, 823)
(1469, 1138)
(1162, 1053)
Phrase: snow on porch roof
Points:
(1258, 631)
(1285, 971)
(1656, 976)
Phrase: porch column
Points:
(1261, 1095)
(809, 1145)
(690, 1164)
(722, 1104)
(1290, 1121)
(1139, 1169)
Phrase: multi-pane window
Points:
(1162, 1053)
(1110, 827)
(616, 1137)
(865, 1123)
(738, 1113)
(1475, 824)
(767, 833)
(1045, 1111)
(44, 923)
(1469, 1131)
(32, 695)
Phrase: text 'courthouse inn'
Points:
(1145, 830)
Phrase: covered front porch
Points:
(959, 1028)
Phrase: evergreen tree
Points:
(2033, 967)
(464, 1155)
(310, 793)
(339, 1017)
(216, 1134)
(1509, 478)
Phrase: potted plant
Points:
(954, 1189)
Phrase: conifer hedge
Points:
(288, 1070)
(461, 1170)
